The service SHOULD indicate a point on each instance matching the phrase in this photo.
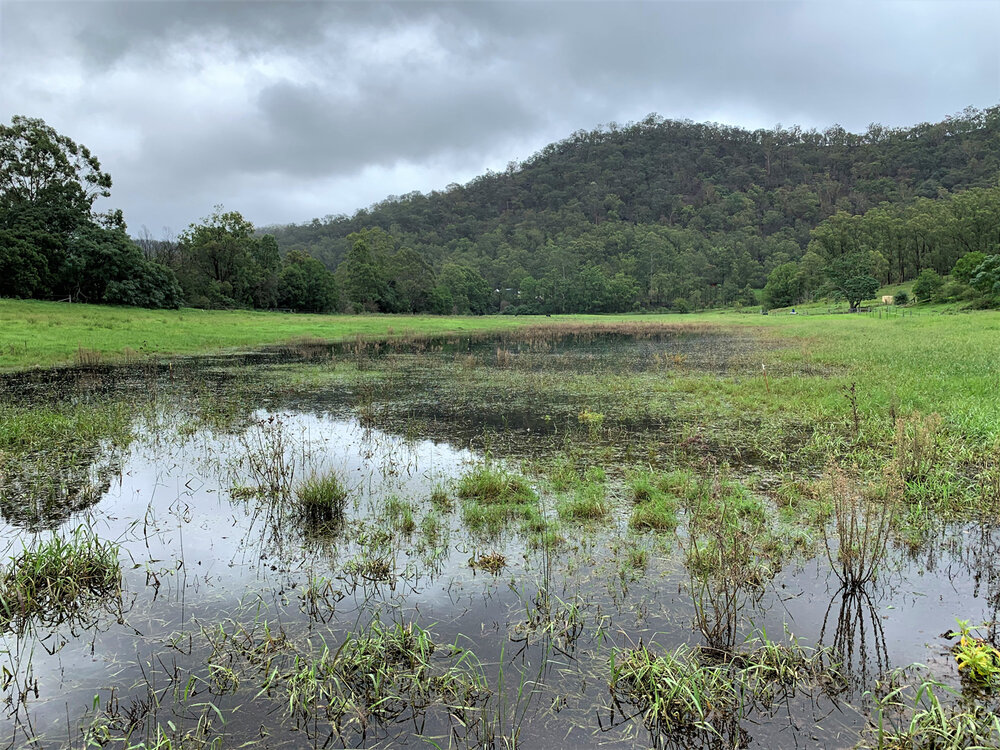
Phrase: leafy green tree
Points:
(857, 289)
(986, 278)
(411, 279)
(965, 267)
(48, 185)
(305, 284)
(363, 277)
(927, 285)
(851, 277)
(51, 241)
(469, 291)
(214, 258)
(784, 286)
(257, 282)
(104, 265)
(41, 167)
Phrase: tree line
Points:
(659, 214)
(679, 215)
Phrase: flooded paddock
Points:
(537, 541)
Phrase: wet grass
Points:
(928, 716)
(322, 498)
(692, 699)
(588, 498)
(57, 579)
(493, 497)
(656, 500)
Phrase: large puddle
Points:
(229, 592)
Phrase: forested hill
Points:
(663, 211)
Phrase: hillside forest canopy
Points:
(655, 215)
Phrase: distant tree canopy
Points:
(52, 244)
(222, 262)
(659, 214)
(647, 215)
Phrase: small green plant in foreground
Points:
(50, 581)
(932, 724)
(978, 660)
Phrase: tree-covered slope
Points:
(670, 209)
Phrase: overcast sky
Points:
(286, 111)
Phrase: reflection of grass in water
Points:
(54, 580)
(399, 514)
(58, 458)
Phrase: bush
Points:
(900, 298)
(927, 285)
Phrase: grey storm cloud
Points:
(289, 110)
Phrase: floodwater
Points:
(202, 557)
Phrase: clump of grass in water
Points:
(681, 694)
(656, 497)
(932, 724)
(589, 499)
(440, 499)
(322, 498)
(493, 497)
(53, 580)
(490, 486)
(383, 672)
(674, 691)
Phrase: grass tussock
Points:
(54, 580)
(657, 498)
(681, 694)
(493, 498)
(381, 671)
(917, 718)
(490, 486)
(322, 498)
(588, 500)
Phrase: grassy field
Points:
(930, 361)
